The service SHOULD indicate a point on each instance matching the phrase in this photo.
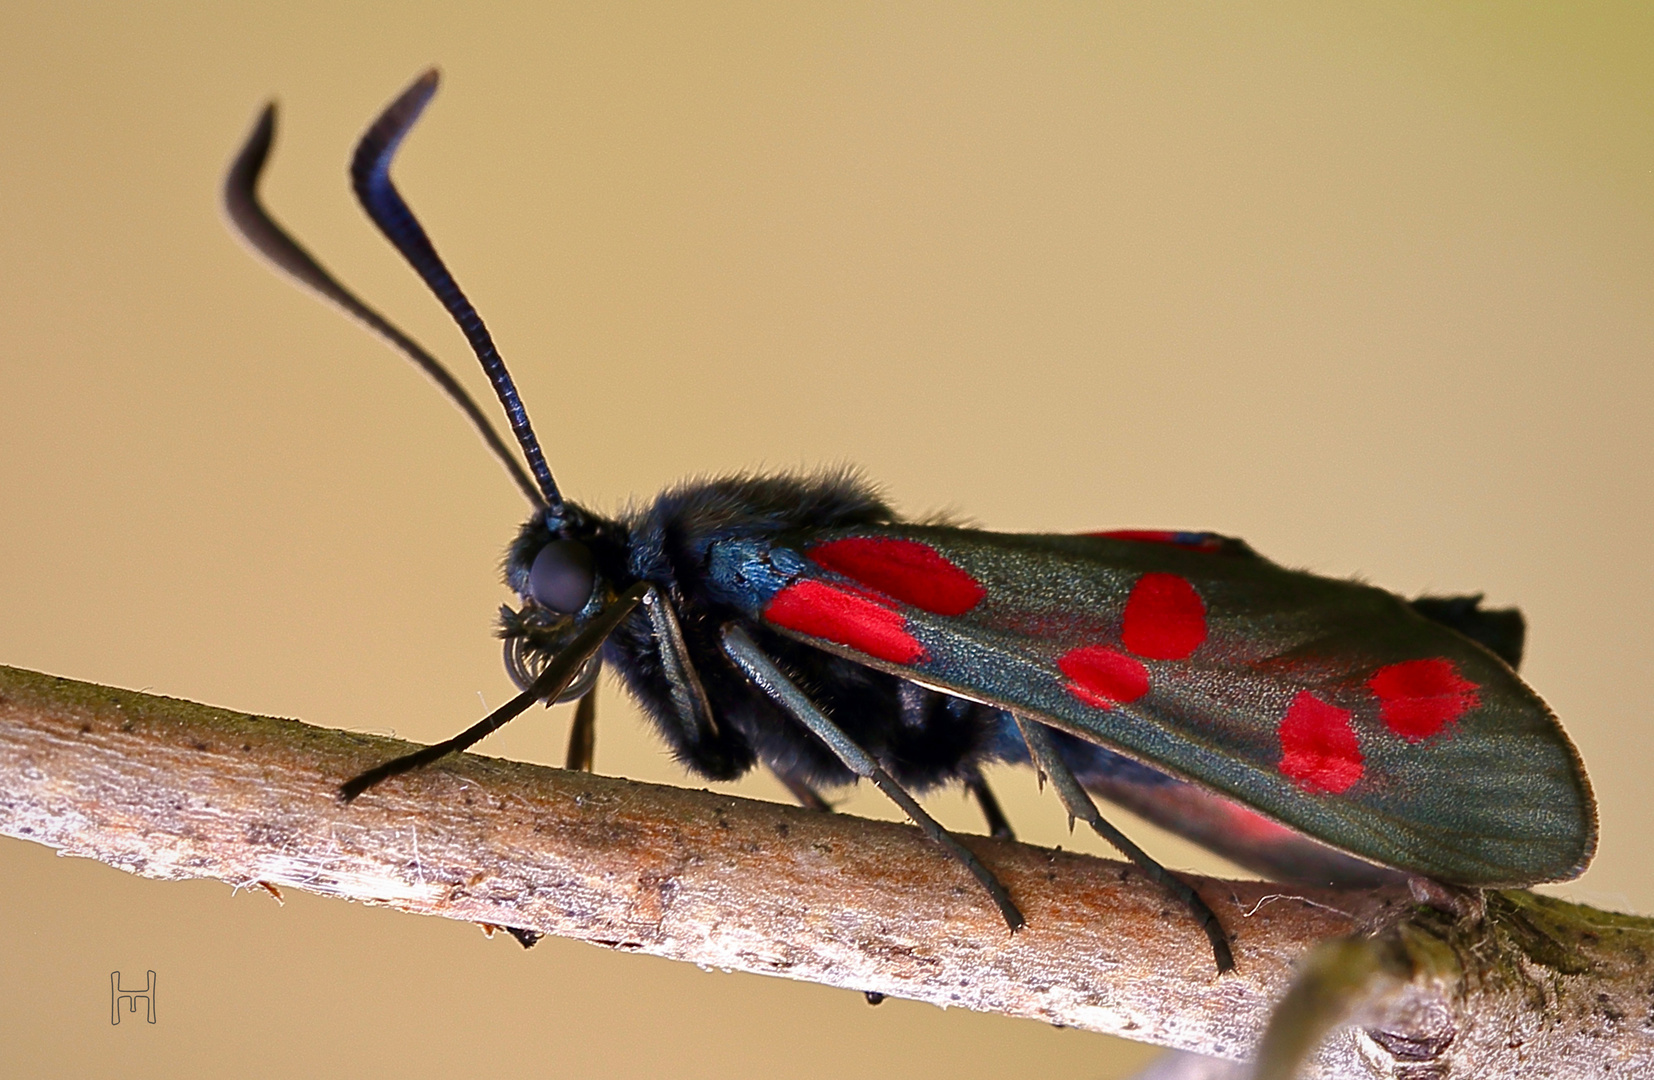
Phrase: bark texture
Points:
(1461, 985)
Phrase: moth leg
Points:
(758, 667)
(808, 797)
(689, 698)
(999, 826)
(1079, 804)
(583, 734)
(551, 682)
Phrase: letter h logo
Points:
(118, 995)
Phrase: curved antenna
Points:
(262, 233)
(370, 173)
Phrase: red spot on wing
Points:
(1102, 677)
(848, 618)
(1417, 698)
(1146, 536)
(1318, 747)
(1196, 541)
(1165, 618)
(1253, 827)
(912, 572)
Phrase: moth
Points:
(1312, 729)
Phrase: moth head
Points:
(553, 568)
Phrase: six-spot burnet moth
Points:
(795, 621)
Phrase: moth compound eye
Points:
(561, 578)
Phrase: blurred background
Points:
(1371, 288)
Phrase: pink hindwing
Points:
(1327, 705)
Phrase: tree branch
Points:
(169, 789)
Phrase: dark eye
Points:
(561, 578)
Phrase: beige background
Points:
(1373, 290)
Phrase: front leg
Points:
(999, 826)
(762, 671)
(583, 734)
(689, 700)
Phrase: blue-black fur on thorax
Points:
(922, 737)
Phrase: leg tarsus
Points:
(764, 674)
(1079, 805)
(583, 734)
(932, 828)
(808, 797)
(551, 682)
(999, 826)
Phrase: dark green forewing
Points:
(1328, 705)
